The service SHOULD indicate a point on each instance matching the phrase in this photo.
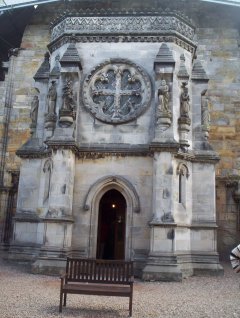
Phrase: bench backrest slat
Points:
(99, 271)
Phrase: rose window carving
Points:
(117, 91)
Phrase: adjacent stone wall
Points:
(219, 49)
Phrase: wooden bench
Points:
(97, 277)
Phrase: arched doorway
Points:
(111, 226)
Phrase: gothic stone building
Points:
(113, 116)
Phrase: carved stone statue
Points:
(205, 114)
(68, 101)
(163, 97)
(52, 98)
(184, 101)
(34, 110)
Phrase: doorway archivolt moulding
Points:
(113, 182)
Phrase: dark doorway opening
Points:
(111, 226)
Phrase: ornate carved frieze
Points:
(122, 25)
(117, 91)
(125, 28)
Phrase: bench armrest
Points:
(63, 279)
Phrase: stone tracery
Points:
(117, 91)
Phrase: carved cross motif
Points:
(117, 93)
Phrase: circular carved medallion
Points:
(117, 91)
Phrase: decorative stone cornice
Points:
(33, 149)
(62, 144)
(198, 156)
(178, 40)
(206, 157)
(26, 216)
(171, 146)
(96, 151)
(57, 220)
(203, 224)
(229, 180)
(33, 154)
(107, 150)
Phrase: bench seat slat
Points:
(97, 289)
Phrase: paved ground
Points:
(23, 295)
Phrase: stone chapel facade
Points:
(118, 163)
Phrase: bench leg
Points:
(130, 306)
(65, 300)
(60, 305)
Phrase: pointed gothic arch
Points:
(183, 174)
(114, 181)
(47, 170)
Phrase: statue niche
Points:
(52, 98)
(50, 116)
(34, 113)
(206, 120)
(184, 121)
(184, 101)
(163, 113)
(68, 109)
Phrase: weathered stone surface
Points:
(91, 150)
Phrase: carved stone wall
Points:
(111, 128)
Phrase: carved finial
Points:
(164, 55)
(71, 56)
(182, 73)
(198, 72)
(44, 69)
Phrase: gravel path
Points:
(24, 295)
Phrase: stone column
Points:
(28, 230)
(162, 262)
(58, 221)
